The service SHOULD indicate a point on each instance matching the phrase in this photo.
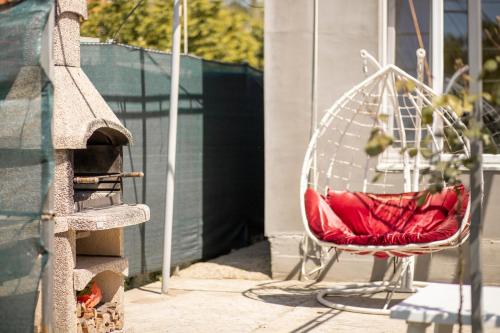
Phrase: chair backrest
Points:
(393, 101)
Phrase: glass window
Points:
(456, 50)
(406, 38)
(406, 44)
(454, 47)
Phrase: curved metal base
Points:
(358, 289)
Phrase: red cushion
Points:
(370, 214)
(322, 220)
(384, 219)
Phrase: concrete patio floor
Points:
(234, 293)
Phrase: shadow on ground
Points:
(294, 293)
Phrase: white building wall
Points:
(345, 27)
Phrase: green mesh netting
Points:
(25, 158)
(219, 196)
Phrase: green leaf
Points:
(439, 101)
(441, 166)
(426, 152)
(491, 149)
(412, 152)
(410, 85)
(377, 177)
(425, 171)
(455, 104)
(427, 115)
(378, 142)
(453, 141)
(383, 117)
(489, 144)
(473, 131)
(435, 188)
(488, 97)
(426, 140)
(450, 173)
(490, 65)
(421, 198)
(405, 85)
(468, 102)
(469, 162)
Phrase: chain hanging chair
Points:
(378, 206)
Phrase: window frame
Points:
(391, 159)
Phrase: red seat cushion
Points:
(323, 221)
(385, 219)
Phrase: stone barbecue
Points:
(90, 214)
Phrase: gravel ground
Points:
(249, 263)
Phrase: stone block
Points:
(102, 242)
(72, 6)
(63, 183)
(111, 285)
(87, 267)
(64, 297)
(79, 111)
(116, 216)
(67, 40)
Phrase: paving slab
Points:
(234, 293)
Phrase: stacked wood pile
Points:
(103, 319)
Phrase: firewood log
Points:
(79, 328)
(106, 318)
(119, 324)
(79, 310)
(99, 322)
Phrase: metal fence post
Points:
(172, 142)
(476, 176)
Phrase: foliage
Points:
(378, 142)
(216, 30)
(439, 171)
(456, 52)
(461, 103)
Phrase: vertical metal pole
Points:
(382, 31)
(437, 61)
(47, 236)
(418, 120)
(314, 85)
(476, 176)
(185, 25)
(47, 218)
(437, 41)
(172, 142)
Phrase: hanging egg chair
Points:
(379, 205)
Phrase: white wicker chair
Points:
(335, 158)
